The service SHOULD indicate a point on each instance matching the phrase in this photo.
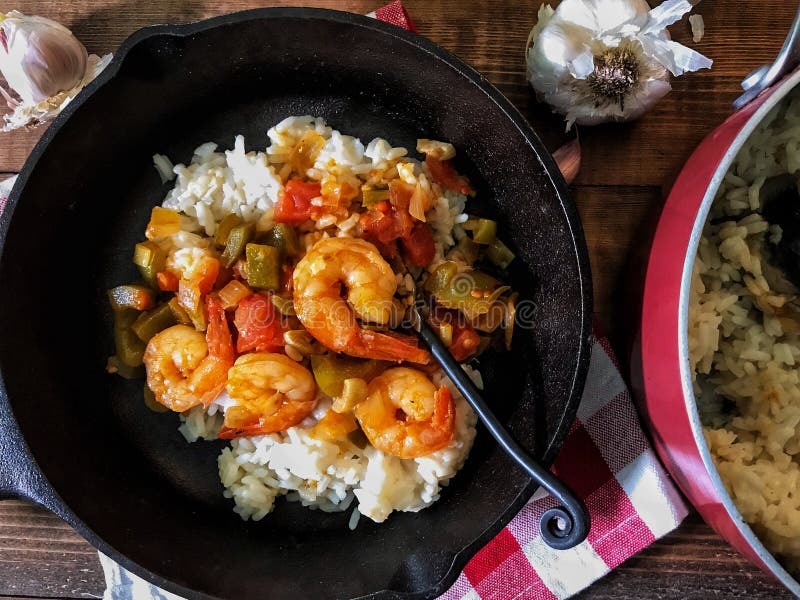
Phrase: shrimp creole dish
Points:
(273, 308)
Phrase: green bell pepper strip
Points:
(484, 231)
(499, 254)
(237, 241)
(153, 321)
(330, 371)
(128, 345)
(263, 266)
(151, 259)
(225, 227)
(284, 237)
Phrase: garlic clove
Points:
(600, 16)
(39, 57)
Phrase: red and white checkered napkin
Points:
(606, 460)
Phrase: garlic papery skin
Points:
(607, 60)
(38, 57)
(44, 64)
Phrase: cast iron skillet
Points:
(83, 444)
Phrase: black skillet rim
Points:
(494, 95)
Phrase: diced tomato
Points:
(465, 339)
(445, 174)
(258, 324)
(418, 247)
(387, 226)
(167, 281)
(294, 205)
(388, 251)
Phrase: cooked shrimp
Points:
(369, 284)
(405, 415)
(186, 368)
(272, 393)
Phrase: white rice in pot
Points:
(743, 343)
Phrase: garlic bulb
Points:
(39, 57)
(44, 64)
(607, 60)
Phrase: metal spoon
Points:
(562, 527)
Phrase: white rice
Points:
(323, 475)
(197, 424)
(744, 342)
(164, 167)
(217, 184)
(330, 475)
(248, 184)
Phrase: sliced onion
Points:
(492, 319)
(446, 333)
(417, 204)
(233, 293)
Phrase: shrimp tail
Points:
(218, 333)
(392, 346)
(229, 433)
(213, 374)
(444, 411)
(438, 432)
(208, 381)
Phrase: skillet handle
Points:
(20, 477)
(764, 76)
(562, 527)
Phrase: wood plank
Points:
(692, 563)
(491, 36)
(618, 223)
(41, 556)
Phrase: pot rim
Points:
(780, 93)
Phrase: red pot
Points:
(665, 388)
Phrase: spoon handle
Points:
(562, 527)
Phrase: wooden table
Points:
(619, 191)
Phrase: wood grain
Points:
(692, 564)
(52, 561)
(40, 555)
(619, 223)
(619, 193)
(491, 36)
